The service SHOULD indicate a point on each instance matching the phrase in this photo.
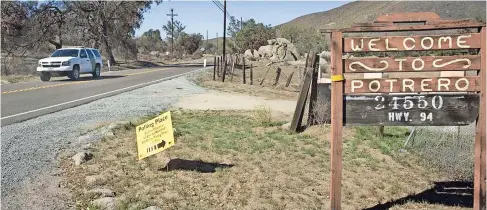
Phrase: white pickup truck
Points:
(71, 62)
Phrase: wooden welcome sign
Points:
(411, 99)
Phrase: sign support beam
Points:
(480, 137)
(336, 121)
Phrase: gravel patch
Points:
(30, 148)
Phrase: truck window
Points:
(65, 53)
(97, 54)
(90, 53)
(83, 54)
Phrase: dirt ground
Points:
(242, 160)
(231, 152)
(269, 88)
(215, 100)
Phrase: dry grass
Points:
(267, 89)
(18, 78)
(272, 169)
(262, 115)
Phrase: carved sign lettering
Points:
(404, 43)
(408, 64)
(424, 110)
(399, 85)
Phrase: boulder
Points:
(257, 54)
(282, 41)
(286, 126)
(279, 49)
(291, 48)
(325, 55)
(106, 132)
(297, 63)
(94, 179)
(107, 203)
(100, 192)
(248, 54)
(266, 51)
(152, 208)
(81, 157)
(119, 124)
(87, 138)
(154, 53)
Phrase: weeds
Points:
(321, 111)
(448, 149)
(262, 115)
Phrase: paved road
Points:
(27, 100)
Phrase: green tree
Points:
(190, 42)
(253, 35)
(152, 35)
(304, 39)
(178, 29)
(290, 33)
(233, 26)
(151, 41)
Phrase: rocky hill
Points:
(367, 11)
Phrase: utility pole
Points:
(224, 36)
(241, 27)
(216, 43)
(172, 29)
(206, 46)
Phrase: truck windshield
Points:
(65, 53)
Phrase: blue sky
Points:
(199, 16)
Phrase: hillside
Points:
(367, 11)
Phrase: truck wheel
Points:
(74, 75)
(45, 76)
(97, 71)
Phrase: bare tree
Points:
(27, 25)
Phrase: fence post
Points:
(218, 67)
(265, 75)
(243, 75)
(251, 74)
(289, 79)
(234, 59)
(314, 89)
(278, 75)
(214, 69)
(224, 68)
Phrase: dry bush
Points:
(449, 149)
(321, 111)
(262, 115)
(18, 65)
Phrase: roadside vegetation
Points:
(267, 89)
(33, 30)
(226, 160)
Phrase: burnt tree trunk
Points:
(108, 48)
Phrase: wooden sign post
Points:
(411, 99)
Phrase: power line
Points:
(220, 6)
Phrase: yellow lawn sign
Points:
(155, 135)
